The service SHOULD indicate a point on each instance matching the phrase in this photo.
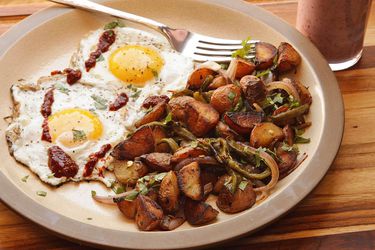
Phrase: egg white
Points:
(29, 149)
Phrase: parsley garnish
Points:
(62, 89)
(136, 94)
(93, 193)
(155, 73)
(231, 96)
(245, 50)
(301, 140)
(100, 58)
(41, 193)
(242, 185)
(24, 179)
(293, 103)
(79, 135)
(100, 103)
(113, 25)
(278, 99)
(263, 73)
(118, 189)
(168, 118)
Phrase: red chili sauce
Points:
(60, 163)
(121, 100)
(105, 41)
(72, 75)
(46, 110)
(94, 158)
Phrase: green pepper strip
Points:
(171, 143)
(183, 132)
(290, 113)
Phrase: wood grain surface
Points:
(338, 214)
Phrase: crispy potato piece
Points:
(154, 100)
(220, 183)
(288, 158)
(253, 88)
(237, 202)
(199, 117)
(224, 131)
(265, 53)
(187, 152)
(155, 114)
(197, 78)
(199, 212)
(243, 122)
(169, 193)
(264, 134)
(288, 57)
(158, 161)
(244, 68)
(218, 81)
(128, 172)
(189, 181)
(128, 208)
(225, 98)
(149, 213)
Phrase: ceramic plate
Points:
(45, 42)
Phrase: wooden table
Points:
(338, 214)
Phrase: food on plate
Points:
(183, 141)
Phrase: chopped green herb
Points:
(41, 193)
(278, 99)
(194, 144)
(100, 58)
(79, 135)
(301, 140)
(239, 105)
(245, 50)
(293, 103)
(131, 196)
(168, 118)
(160, 177)
(24, 179)
(113, 25)
(118, 189)
(100, 103)
(62, 89)
(155, 73)
(242, 185)
(49, 176)
(93, 193)
(224, 66)
(231, 96)
(136, 94)
(263, 73)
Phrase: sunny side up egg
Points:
(80, 124)
(137, 62)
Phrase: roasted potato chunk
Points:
(154, 100)
(158, 161)
(149, 213)
(243, 122)
(169, 193)
(155, 114)
(199, 212)
(288, 58)
(189, 181)
(220, 183)
(171, 222)
(253, 88)
(287, 159)
(128, 172)
(198, 76)
(187, 152)
(225, 98)
(265, 53)
(264, 134)
(199, 117)
(218, 82)
(128, 208)
(244, 68)
(237, 202)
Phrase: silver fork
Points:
(199, 47)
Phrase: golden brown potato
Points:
(199, 117)
(243, 122)
(189, 181)
(187, 152)
(224, 131)
(264, 134)
(244, 68)
(253, 88)
(158, 161)
(220, 183)
(128, 172)
(128, 208)
(288, 57)
(225, 98)
(218, 81)
(197, 78)
(155, 114)
(265, 53)
(199, 212)
(169, 193)
(149, 213)
(237, 202)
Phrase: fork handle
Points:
(89, 5)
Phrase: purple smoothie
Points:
(336, 27)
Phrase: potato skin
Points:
(237, 202)
(149, 213)
(128, 172)
(244, 68)
(199, 212)
(128, 208)
(264, 134)
(199, 117)
(158, 161)
(155, 114)
(197, 77)
(169, 193)
(225, 98)
(288, 58)
(189, 181)
(265, 53)
(243, 122)
(253, 88)
(218, 81)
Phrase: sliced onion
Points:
(232, 69)
(109, 198)
(210, 65)
(286, 86)
(207, 160)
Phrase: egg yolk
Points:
(135, 64)
(73, 127)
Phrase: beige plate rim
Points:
(93, 235)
